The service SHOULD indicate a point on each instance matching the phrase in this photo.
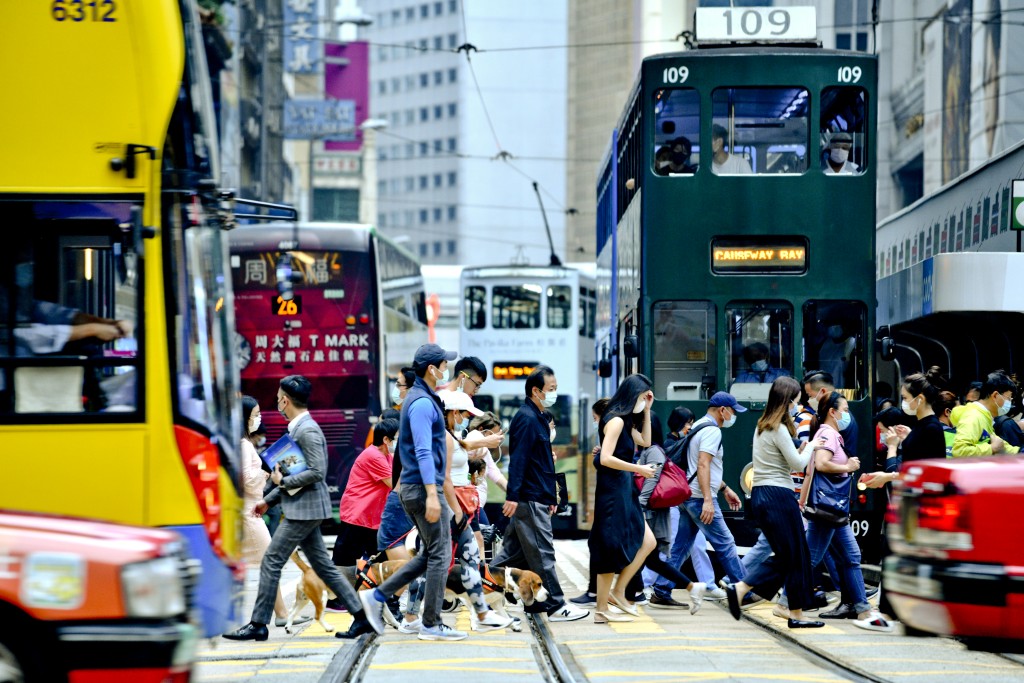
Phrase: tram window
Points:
(684, 349)
(475, 307)
(515, 306)
(835, 341)
(587, 312)
(844, 124)
(676, 131)
(760, 338)
(69, 305)
(559, 307)
(759, 130)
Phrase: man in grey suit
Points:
(306, 504)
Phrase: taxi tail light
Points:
(202, 463)
(949, 514)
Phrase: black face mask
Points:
(679, 158)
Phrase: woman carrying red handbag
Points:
(659, 520)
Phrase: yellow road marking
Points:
(617, 642)
(458, 664)
(674, 648)
(640, 624)
(993, 665)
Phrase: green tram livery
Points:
(736, 235)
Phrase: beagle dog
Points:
(310, 588)
(521, 584)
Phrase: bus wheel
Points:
(10, 666)
(22, 654)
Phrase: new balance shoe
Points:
(441, 631)
(584, 600)
(567, 612)
(410, 627)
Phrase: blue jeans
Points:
(761, 551)
(717, 533)
(847, 558)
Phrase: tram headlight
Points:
(747, 479)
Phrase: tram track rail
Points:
(351, 664)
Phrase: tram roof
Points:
(512, 271)
(795, 50)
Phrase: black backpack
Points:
(678, 452)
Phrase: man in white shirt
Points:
(722, 162)
(838, 162)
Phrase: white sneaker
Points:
(492, 622)
(875, 622)
(410, 627)
(441, 631)
(567, 612)
(715, 594)
(697, 596)
(373, 609)
(389, 617)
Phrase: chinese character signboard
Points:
(1017, 214)
(302, 46)
(334, 119)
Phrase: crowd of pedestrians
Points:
(428, 459)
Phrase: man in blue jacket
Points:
(530, 498)
(423, 451)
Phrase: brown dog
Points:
(366, 575)
(311, 588)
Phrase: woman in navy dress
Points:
(620, 539)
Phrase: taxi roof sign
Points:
(756, 25)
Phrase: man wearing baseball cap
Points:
(422, 448)
(702, 512)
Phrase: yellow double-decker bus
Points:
(118, 388)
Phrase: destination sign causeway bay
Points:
(745, 255)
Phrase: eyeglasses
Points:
(478, 384)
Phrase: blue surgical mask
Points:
(396, 395)
(794, 409)
(1004, 407)
(759, 365)
(844, 420)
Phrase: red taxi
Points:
(85, 602)
(957, 563)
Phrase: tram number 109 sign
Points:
(756, 24)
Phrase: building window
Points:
(410, 116)
(410, 184)
(396, 85)
(424, 11)
(438, 8)
(410, 82)
(453, 75)
(438, 146)
(424, 149)
(451, 179)
(396, 16)
(438, 111)
(852, 25)
(437, 215)
(423, 44)
(452, 110)
(423, 182)
(423, 249)
(437, 248)
(382, 88)
(424, 80)
(438, 43)
(340, 205)
(453, 6)
(423, 216)
(438, 77)
(410, 13)
(451, 213)
(437, 180)
(424, 114)
(451, 247)
(382, 187)
(451, 144)
(453, 40)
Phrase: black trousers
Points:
(353, 543)
(777, 512)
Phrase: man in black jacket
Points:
(530, 499)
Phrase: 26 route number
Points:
(675, 74)
(849, 74)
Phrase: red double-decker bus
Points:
(336, 302)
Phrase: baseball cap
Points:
(840, 137)
(432, 354)
(724, 399)
(458, 400)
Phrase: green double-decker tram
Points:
(736, 237)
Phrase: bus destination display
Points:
(281, 306)
(512, 370)
(752, 255)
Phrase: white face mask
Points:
(794, 409)
(549, 399)
(813, 403)
(640, 404)
(396, 395)
(730, 422)
(255, 422)
(905, 405)
(553, 433)
(442, 377)
(839, 155)
(1004, 407)
(759, 365)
